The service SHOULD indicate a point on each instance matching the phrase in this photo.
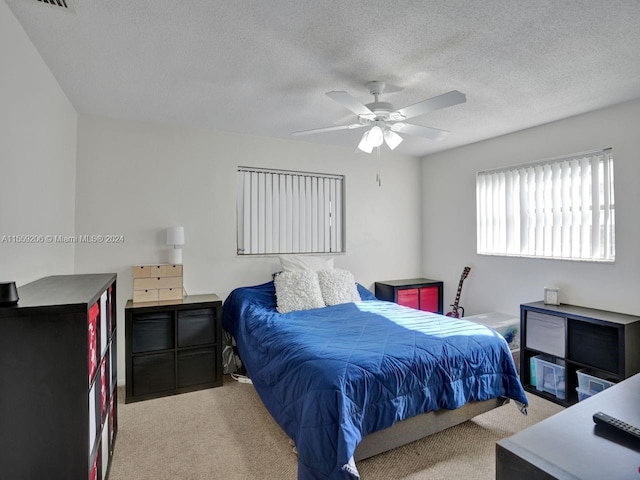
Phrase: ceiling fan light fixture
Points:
(384, 121)
(364, 144)
(370, 139)
(392, 139)
(375, 137)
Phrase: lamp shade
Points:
(175, 236)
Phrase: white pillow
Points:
(295, 263)
(338, 286)
(297, 291)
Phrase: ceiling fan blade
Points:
(419, 130)
(346, 100)
(435, 103)
(328, 129)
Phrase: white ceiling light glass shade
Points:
(392, 139)
(376, 136)
(364, 144)
(371, 138)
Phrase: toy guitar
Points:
(455, 308)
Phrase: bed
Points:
(349, 380)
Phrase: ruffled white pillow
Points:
(295, 263)
(297, 291)
(338, 286)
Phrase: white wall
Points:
(38, 129)
(501, 283)
(136, 179)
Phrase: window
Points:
(557, 208)
(289, 212)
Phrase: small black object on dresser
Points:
(616, 425)
(8, 294)
(58, 374)
(173, 346)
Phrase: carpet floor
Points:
(226, 433)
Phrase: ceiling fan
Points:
(385, 121)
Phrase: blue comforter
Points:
(332, 375)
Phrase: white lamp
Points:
(175, 237)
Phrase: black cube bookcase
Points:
(173, 346)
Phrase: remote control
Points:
(604, 419)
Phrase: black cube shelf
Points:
(173, 346)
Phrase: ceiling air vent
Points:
(66, 5)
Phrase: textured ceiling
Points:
(262, 67)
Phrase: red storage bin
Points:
(429, 298)
(409, 298)
(92, 339)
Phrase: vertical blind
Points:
(557, 208)
(289, 212)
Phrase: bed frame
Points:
(415, 428)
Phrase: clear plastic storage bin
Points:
(550, 375)
(588, 382)
(583, 394)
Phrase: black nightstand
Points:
(173, 346)
(419, 293)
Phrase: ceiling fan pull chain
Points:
(378, 176)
